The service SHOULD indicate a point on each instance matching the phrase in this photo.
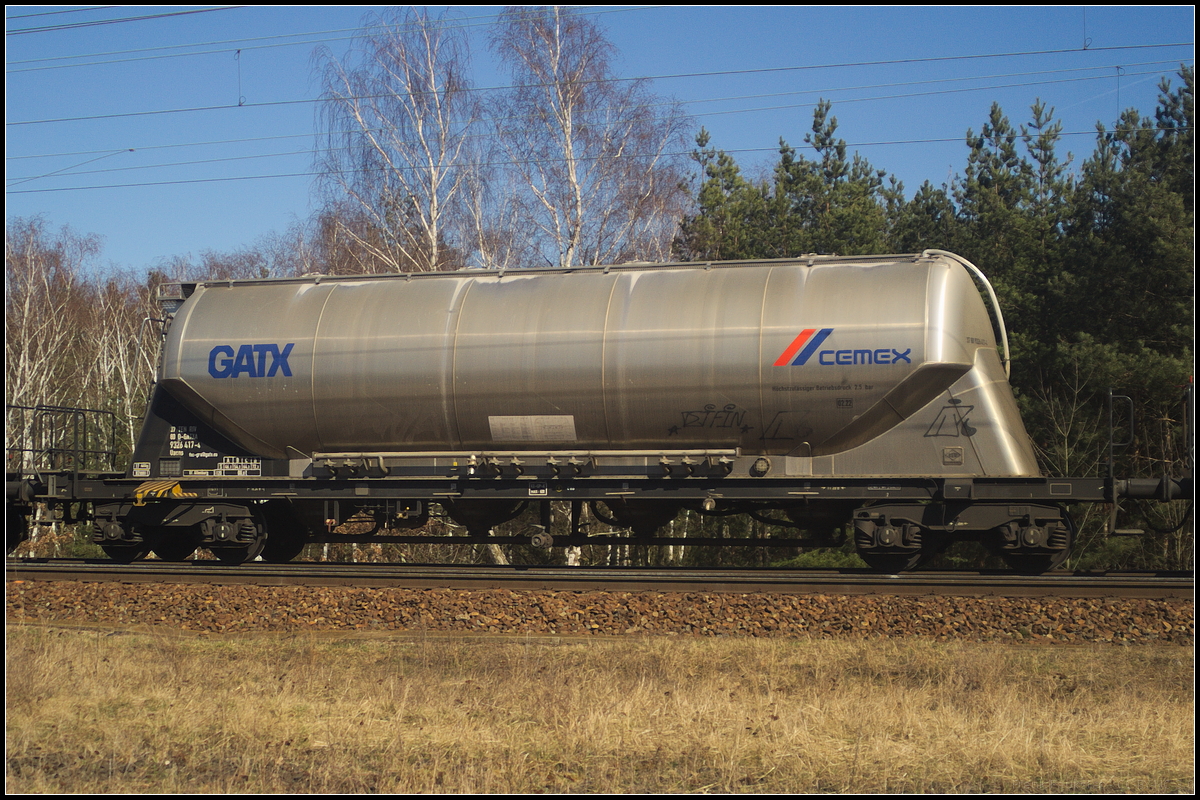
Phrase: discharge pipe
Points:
(991, 293)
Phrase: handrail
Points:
(52, 438)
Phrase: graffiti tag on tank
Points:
(952, 421)
(729, 416)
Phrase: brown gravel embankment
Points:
(263, 608)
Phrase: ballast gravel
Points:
(239, 608)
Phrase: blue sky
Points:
(109, 138)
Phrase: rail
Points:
(829, 582)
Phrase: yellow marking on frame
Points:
(159, 489)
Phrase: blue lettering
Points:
(222, 368)
(827, 358)
(280, 359)
(244, 364)
(250, 360)
(261, 364)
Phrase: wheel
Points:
(1036, 563)
(933, 544)
(891, 562)
(16, 531)
(280, 550)
(286, 532)
(891, 543)
(174, 544)
(480, 516)
(232, 556)
(126, 553)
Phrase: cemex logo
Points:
(250, 361)
(808, 343)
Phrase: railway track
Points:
(1151, 585)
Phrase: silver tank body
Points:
(814, 358)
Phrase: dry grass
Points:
(148, 712)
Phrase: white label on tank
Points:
(542, 428)
(232, 466)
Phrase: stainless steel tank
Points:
(809, 357)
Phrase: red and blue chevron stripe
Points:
(794, 355)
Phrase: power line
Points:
(169, 146)
(222, 107)
(193, 163)
(701, 114)
(243, 44)
(90, 24)
(822, 92)
(708, 74)
(728, 98)
(56, 13)
(931, 93)
(894, 62)
(180, 55)
(613, 80)
(184, 181)
(197, 162)
(18, 181)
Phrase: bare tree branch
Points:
(397, 117)
(597, 163)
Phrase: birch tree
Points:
(45, 292)
(397, 116)
(125, 346)
(598, 159)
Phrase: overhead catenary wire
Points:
(83, 10)
(93, 23)
(196, 162)
(819, 91)
(706, 74)
(73, 170)
(244, 43)
(506, 162)
(313, 101)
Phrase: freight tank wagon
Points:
(823, 394)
